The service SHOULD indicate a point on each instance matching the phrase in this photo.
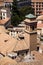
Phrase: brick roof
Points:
(29, 21)
(7, 43)
(40, 17)
(40, 25)
(3, 21)
(20, 45)
(37, 55)
(7, 61)
(2, 29)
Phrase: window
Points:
(32, 27)
(36, 8)
(36, 2)
(39, 5)
(36, 5)
(3, 14)
(3, 17)
(37, 48)
(18, 53)
(32, 2)
(42, 2)
(39, 2)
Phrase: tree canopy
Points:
(18, 14)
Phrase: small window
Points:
(3, 14)
(39, 2)
(32, 27)
(36, 5)
(37, 48)
(36, 2)
(26, 52)
(18, 53)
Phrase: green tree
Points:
(15, 18)
(18, 14)
(26, 10)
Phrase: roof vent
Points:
(21, 36)
(5, 40)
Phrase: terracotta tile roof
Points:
(31, 63)
(40, 25)
(40, 17)
(7, 61)
(7, 43)
(3, 21)
(21, 45)
(2, 29)
(37, 55)
(29, 21)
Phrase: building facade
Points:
(22, 3)
(38, 6)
